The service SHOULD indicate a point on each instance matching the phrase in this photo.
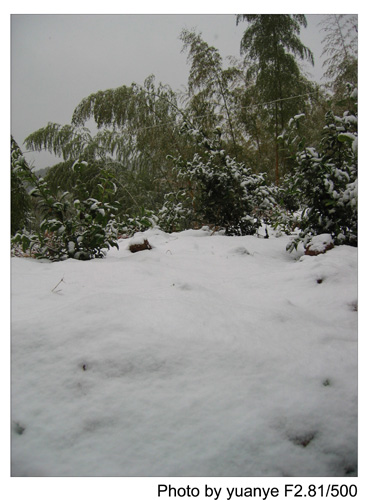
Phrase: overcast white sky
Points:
(57, 60)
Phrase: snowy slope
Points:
(205, 356)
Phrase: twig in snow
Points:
(62, 280)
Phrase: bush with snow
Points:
(177, 212)
(216, 190)
(81, 228)
(324, 180)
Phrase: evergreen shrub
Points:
(324, 180)
(216, 190)
(73, 225)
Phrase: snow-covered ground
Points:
(205, 356)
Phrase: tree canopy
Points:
(272, 46)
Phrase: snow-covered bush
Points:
(177, 212)
(138, 223)
(324, 180)
(216, 190)
(79, 227)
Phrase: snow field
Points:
(205, 356)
